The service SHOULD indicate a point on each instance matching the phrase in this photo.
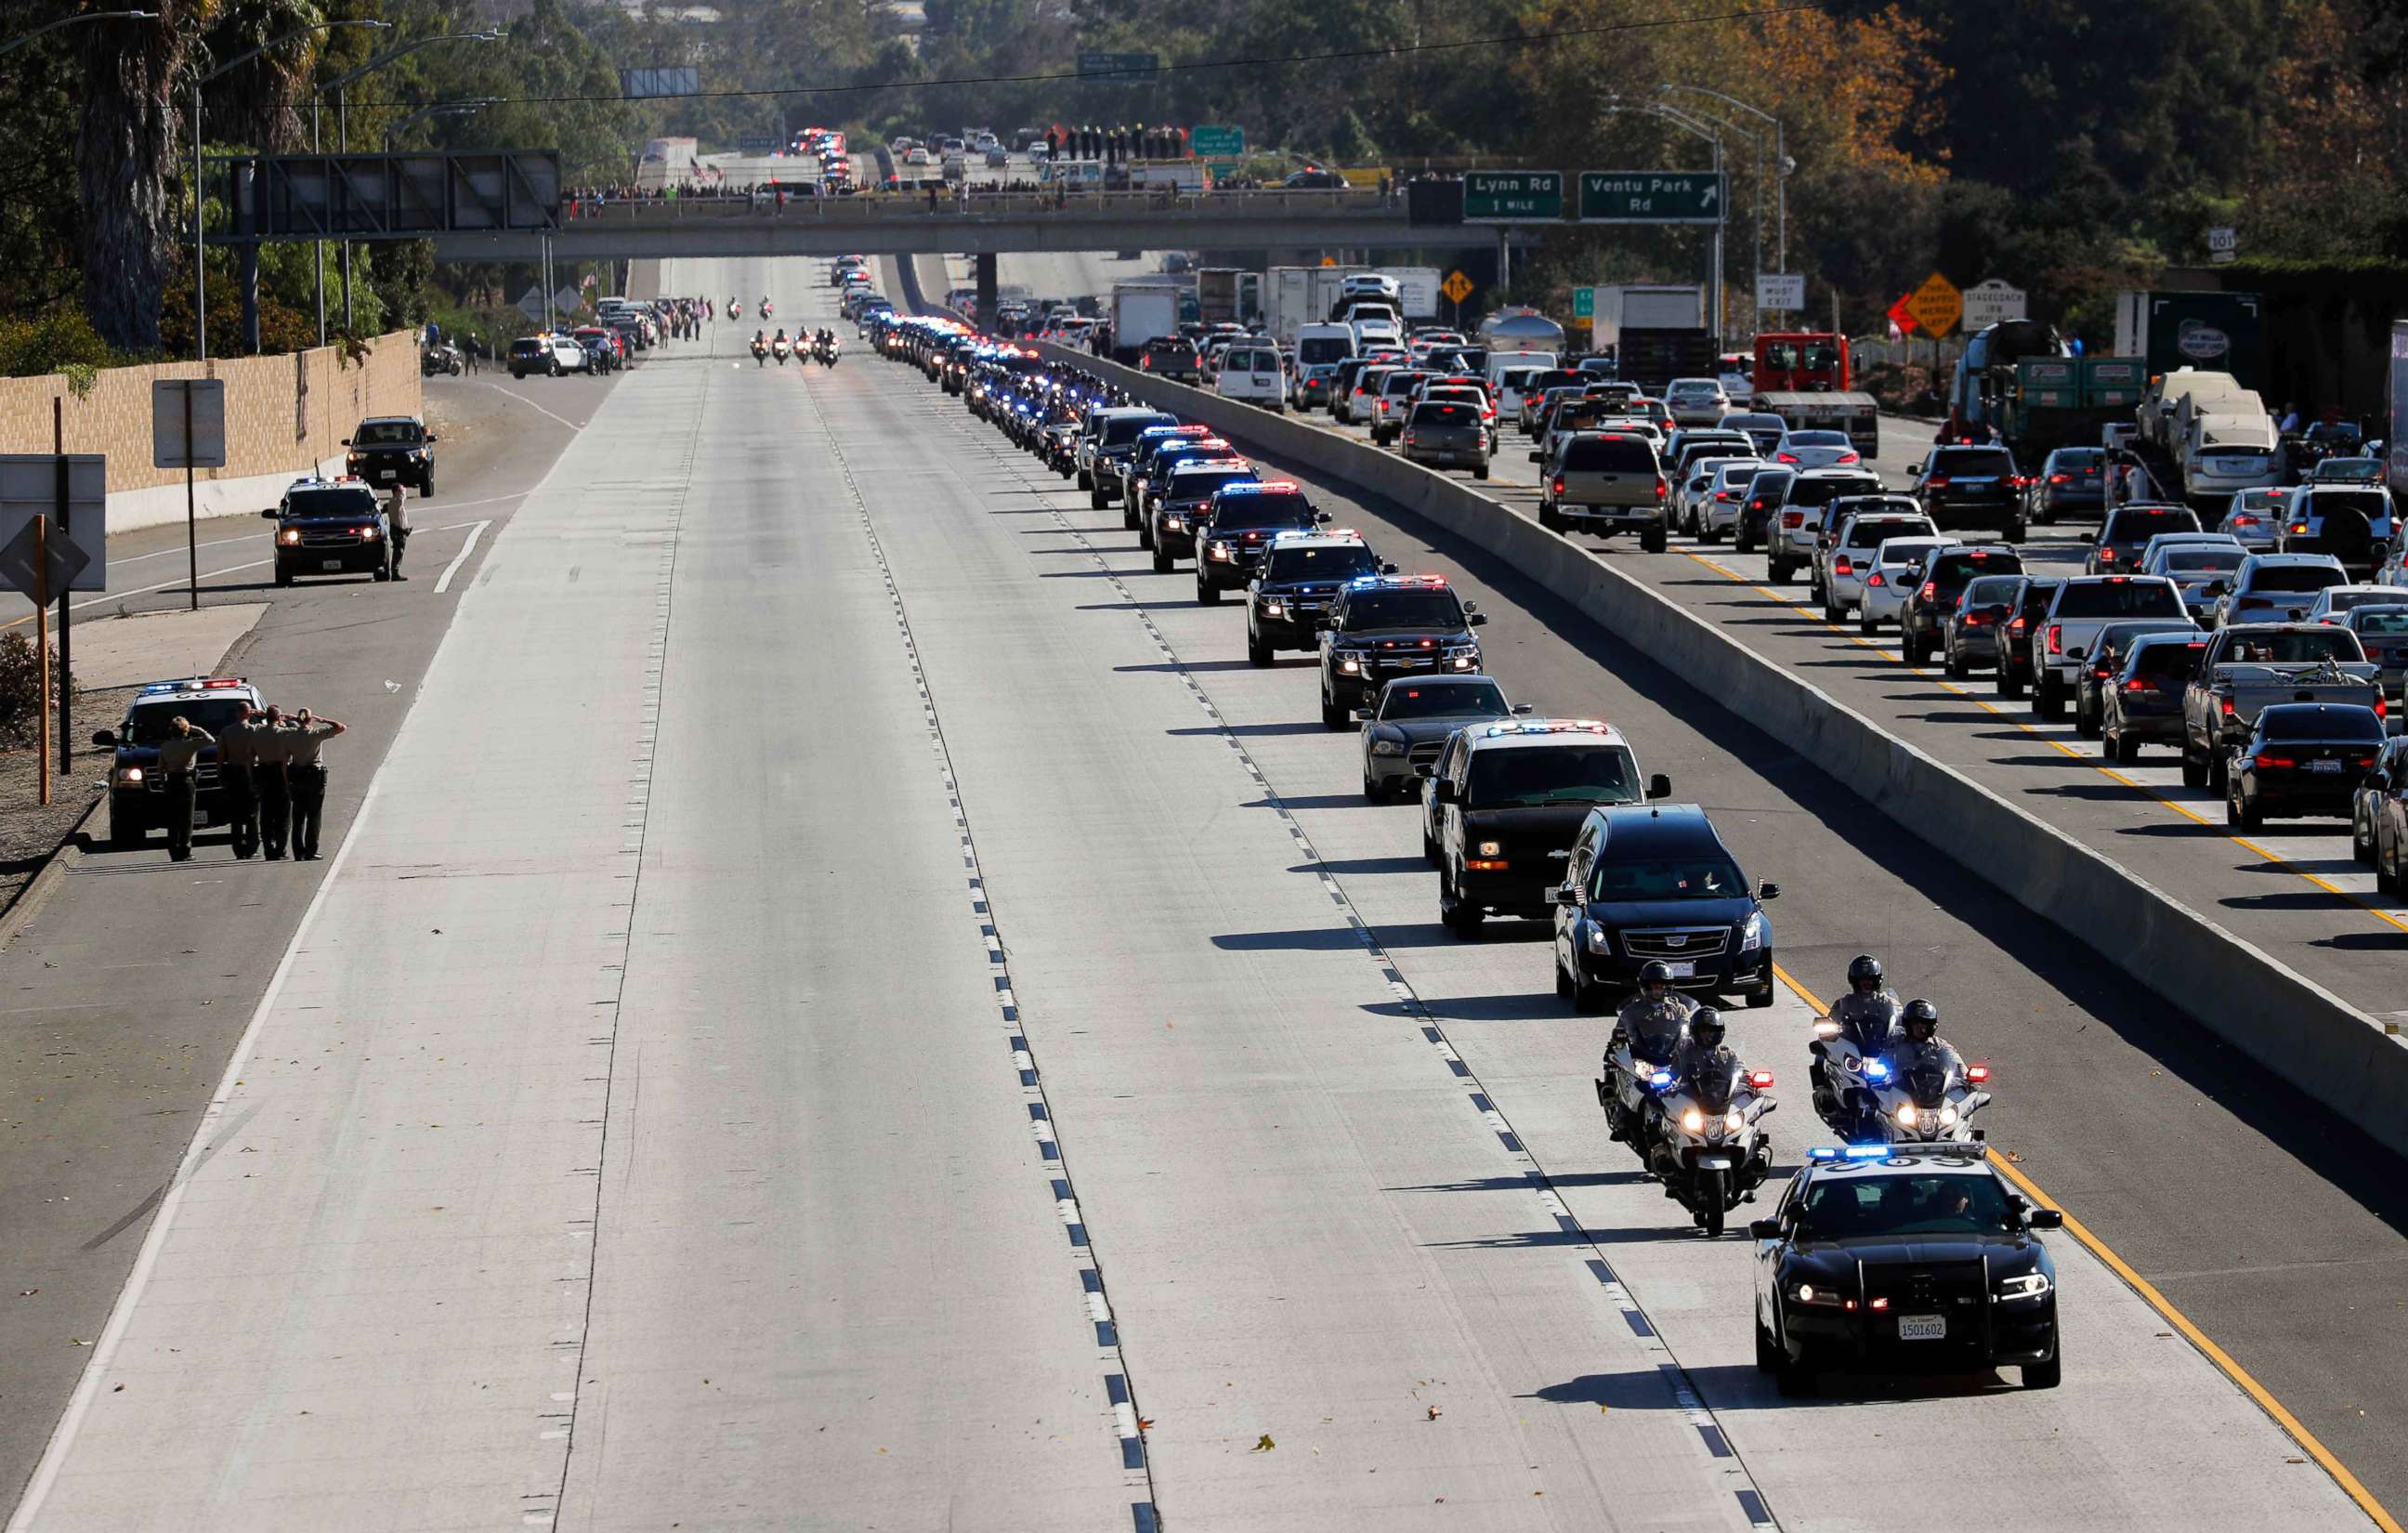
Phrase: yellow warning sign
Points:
(1458, 287)
(1937, 306)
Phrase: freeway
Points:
(2292, 888)
(890, 1024)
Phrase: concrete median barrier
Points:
(2286, 1021)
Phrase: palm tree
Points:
(125, 159)
(253, 104)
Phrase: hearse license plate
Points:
(1923, 1327)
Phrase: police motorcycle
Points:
(765, 305)
(1711, 1150)
(1626, 1091)
(1920, 1091)
(826, 348)
(735, 309)
(760, 349)
(778, 347)
(1857, 1030)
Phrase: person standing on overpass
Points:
(307, 776)
(268, 782)
(237, 754)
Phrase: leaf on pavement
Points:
(1265, 1444)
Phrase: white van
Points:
(1250, 371)
(1319, 350)
(1501, 362)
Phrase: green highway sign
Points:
(1120, 63)
(1512, 196)
(1652, 196)
(1583, 303)
(1213, 143)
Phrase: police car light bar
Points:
(1908, 1150)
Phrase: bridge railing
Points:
(1090, 202)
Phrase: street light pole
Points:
(23, 38)
(200, 263)
(1781, 167)
(338, 84)
(1682, 118)
(1755, 143)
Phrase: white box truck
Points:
(1416, 290)
(1142, 312)
(1297, 296)
(1646, 308)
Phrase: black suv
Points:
(1971, 487)
(1390, 625)
(1179, 512)
(1295, 585)
(331, 527)
(1651, 884)
(138, 794)
(1923, 620)
(1504, 801)
(393, 450)
(1899, 1258)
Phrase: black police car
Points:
(1503, 802)
(331, 527)
(1235, 527)
(1385, 626)
(393, 450)
(1184, 503)
(138, 795)
(1904, 1258)
(1296, 584)
(1651, 884)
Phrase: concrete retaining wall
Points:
(285, 416)
(2279, 1018)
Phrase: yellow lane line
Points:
(1809, 615)
(2222, 1360)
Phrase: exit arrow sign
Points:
(1652, 196)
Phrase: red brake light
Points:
(1937, 482)
(2138, 683)
(1786, 457)
(2244, 521)
(2274, 761)
(1559, 486)
(1842, 565)
(2058, 478)
(1875, 579)
(1849, 457)
(1662, 489)
(1976, 619)
(2056, 638)
(2106, 557)
(1977, 1073)
(1793, 519)
(2227, 707)
(1930, 590)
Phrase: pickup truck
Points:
(2083, 605)
(2249, 666)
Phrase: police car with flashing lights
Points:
(138, 794)
(1385, 626)
(1297, 580)
(1904, 1258)
(1503, 804)
(331, 527)
(1233, 529)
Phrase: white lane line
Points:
(573, 426)
(104, 1352)
(443, 581)
(104, 599)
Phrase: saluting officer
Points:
(268, 779)
(306, 776)
(238, 757)
(180, 756)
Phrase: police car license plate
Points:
(330, 563)
(1923, 1327)
(1683, 971)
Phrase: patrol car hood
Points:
(353, 519)
(1423, 731)
(1670, 913)
(2010, 1255)
(1403, 639)
(386, 450)
(1560, 822)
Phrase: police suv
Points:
(331, 527)
(137, 792)
(1296, 584)
(1383, 626)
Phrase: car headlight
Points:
(2029, 1285)
(1752, 932)
(369, 535)
(1275, 608)
(1387, 748)
(130, 776)
(1172, 523)
(1491, 849)
(1806, 1292)
(1221, 552)
(1350, 661)
(1597, 940)
(289, 537)
(1693, 1121)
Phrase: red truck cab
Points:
(1802, 362)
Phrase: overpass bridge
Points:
(978, 223)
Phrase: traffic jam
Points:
(1897, 1247)
(2242, 608)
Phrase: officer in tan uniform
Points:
(179, 760)
(267, 777)
(306, 778)
(238, 757)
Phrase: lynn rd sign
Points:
(1652, 196)
(1512, 196)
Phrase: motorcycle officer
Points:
(1700, 1050)
(1917, 1041)
(1867, 1015)
(1653, 1021)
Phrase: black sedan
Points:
(2301, 759)
(1907, 1258)
(2101, 666)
